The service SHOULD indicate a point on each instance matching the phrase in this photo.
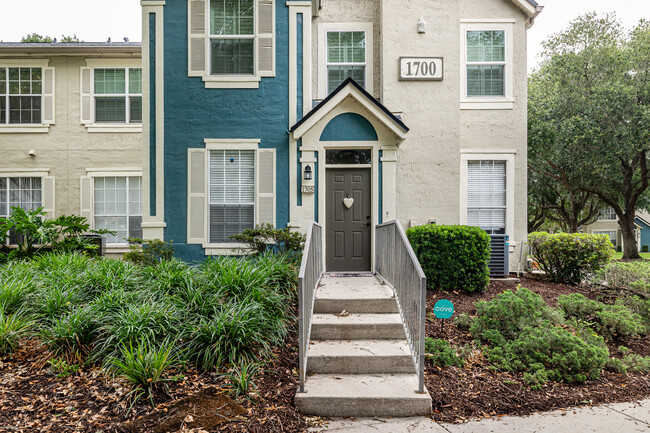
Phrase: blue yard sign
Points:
(443, 309)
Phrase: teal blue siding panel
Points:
(645, 233)
(349, 127)
(193, 113)
(380, 204)
(299, 66)
(152, 114)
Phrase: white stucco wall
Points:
(68, 149)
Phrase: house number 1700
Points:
(420, 68)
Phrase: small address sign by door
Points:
(421, 68)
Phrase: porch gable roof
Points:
(350, 88)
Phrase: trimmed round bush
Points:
(452, 257)
(570, 257)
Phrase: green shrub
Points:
(644, 248)
(639, 306)
(440, 353)
(265, 237)
(241, 378)
(13, 327)
(63, 368)
(463, 321)
(109, 274)
(148, 251)
(15, 291)
(281, 272)
(168, 276)
(143, 365)
(72, 335)
(549, 352)
(630, 362)
(611, 321)
(570, 257)
(452, 257)
(633, 275)
(504, 317)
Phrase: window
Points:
(346, 58)
(610, 233)
(486, 62)
(232, 37)
(21, 91)
(118, 207)
(231, 193)
(118, 95)
(607, 214)
(21, 192)
(486, 195)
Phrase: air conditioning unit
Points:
(499, 263)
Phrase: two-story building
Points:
(71, 133)
(350, 113)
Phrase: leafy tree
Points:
(35, 37)
(589, 119)
(69, 39)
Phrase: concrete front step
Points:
(355, 295)
(363, 395)
(357, 327)
(359, 357)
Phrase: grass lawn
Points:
(619, 256)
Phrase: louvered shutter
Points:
(265, 205)
(196, 200)
(86, 196)
(86, 96)
(48, 195)
(48, 96)
(197, 38)
(266, 38)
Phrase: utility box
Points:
(499, 263)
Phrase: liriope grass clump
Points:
(143, 321)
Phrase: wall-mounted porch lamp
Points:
(308, 173)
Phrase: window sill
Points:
(487, 104)
(231, 82)
(24, 129)
(226, 249)
(99, 128)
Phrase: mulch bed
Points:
(475, 391)
(33, 399)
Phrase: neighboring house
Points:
(71, 132)
(607, 224)
(249, 118)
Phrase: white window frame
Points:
(93, 64)
(92, 173)
(212, 37)
(507, 155)
(13, 128)
(610, 210)
(323, 29)
(127, 95)
(608, 233)
(505, 102)
(233, 247)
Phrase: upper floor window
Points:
(21, 91)
(346, 58)
(117, 95)
(232, 37)
(486, 62)
(486, 195)
(607, 214)
(231, 42)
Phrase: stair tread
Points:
(356, 319)
(353, 288)
(363, 386)
(349, 348)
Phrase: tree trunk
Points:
(630, 250)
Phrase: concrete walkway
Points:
(618, 418)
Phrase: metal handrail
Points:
(397, 265)
(311, 271)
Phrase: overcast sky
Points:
(93, 21)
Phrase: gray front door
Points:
(347, 219)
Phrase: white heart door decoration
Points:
(348, 202)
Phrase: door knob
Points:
(368, 219)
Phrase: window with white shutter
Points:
(486, 195)
(231, 43)
(117, 206)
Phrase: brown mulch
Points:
(476, 391)
(33, 399)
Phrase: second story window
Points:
(486, 62)
(346, 58)
(232, 37)
(607, 214)
(21, 91)
(118, 95)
